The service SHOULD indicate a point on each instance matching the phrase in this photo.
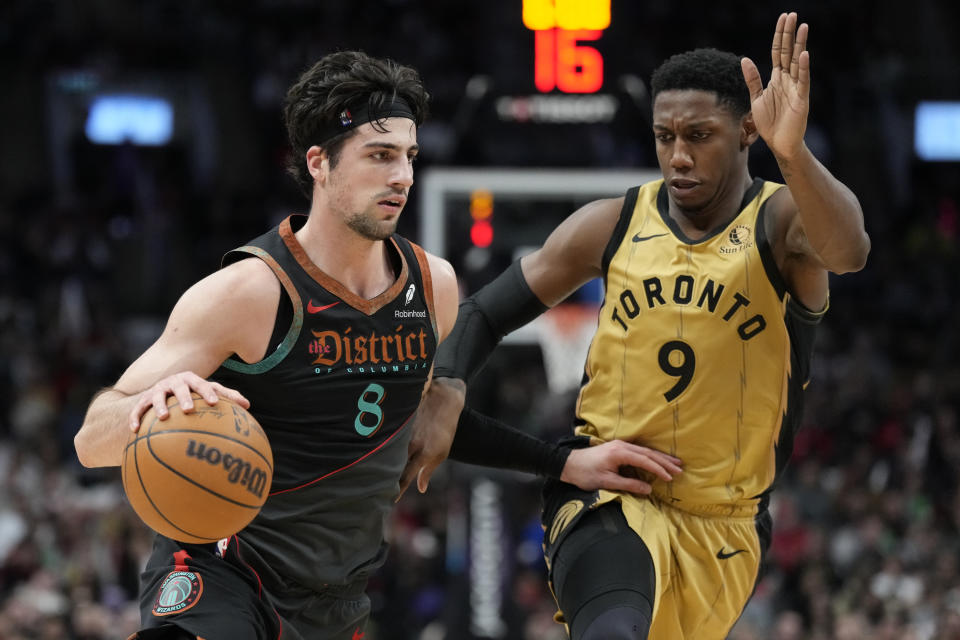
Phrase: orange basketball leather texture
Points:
(201, 476)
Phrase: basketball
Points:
(201, 476)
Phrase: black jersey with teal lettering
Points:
(335, 393)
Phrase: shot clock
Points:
(561, 61)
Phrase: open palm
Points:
(780, 110)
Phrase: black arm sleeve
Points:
(486, 441)
(501, 306)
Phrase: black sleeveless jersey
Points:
(335, 397)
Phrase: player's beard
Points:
(367, 226)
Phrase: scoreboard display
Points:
(561, 61)
(565, 85)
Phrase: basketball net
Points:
(564, 333)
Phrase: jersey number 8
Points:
(368, 408)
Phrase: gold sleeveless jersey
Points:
(700, 352)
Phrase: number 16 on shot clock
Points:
(560, 62)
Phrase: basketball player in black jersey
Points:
(714, 284)
(325, 327)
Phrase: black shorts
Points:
(216, 595)
(596, 561)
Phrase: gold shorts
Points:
(706, 563)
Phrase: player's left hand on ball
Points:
(602, 467)
(181, 385)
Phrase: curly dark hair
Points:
(706, 70)
(338, 81)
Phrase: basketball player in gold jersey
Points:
(714, 284)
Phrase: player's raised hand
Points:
(612, 465)
(780, 110)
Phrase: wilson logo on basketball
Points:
(238, 470)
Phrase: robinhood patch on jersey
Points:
(738, 239)
(180, 591)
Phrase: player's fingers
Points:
(637, 448)
(656, 453)
(671, 462)
(211, 392)
(414, 462)
(427, 468)
(137, 413)
(648, 463)
(803, 34)
(803, 78)
(618, 482)
(778, 41)
(674, 465)
(406, 477)
(188, 383)
(232, 395)
(798, 47)
(184, 397)
(668, 467)
(158, 400)
(423, 480)
(786, 45)
(751, 75)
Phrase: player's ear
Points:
(318, 163)
(748, 131)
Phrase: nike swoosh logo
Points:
(723, 556)
(312, 308)
(639, 238)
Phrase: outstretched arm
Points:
(824, 223)
(571, 256)
(483, 440)
(515, 297)
(443, 398)
(197, 338)
(482, 320)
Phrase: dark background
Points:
(97, 242)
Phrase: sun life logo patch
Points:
(180, 591)
(739, 238)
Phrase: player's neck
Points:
(724, 208)
(359, 264)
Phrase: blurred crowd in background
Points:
(97, 242)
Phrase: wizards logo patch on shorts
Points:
(180, 591)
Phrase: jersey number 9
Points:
(683, 371)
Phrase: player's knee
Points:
(621, 623)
